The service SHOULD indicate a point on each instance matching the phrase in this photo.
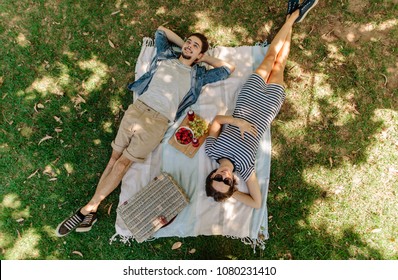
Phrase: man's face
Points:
(222, 174)
(191, 48)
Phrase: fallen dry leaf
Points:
(58, 119)
(38, 106)
(128, 63)
(77, 253)
(78, 99)
(109, 209)
(33, 174)
(192, 251)
(111, 44)
(331, 162)
(114, 13)
(58, 130)
(44, 139)
(176, 245)
(20, 220)
(53, 179)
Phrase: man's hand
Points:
(172, 37)
(215, 62)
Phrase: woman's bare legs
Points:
(266, 66)
(276, 75)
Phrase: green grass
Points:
(333, 189)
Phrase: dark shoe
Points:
(87, 223)
(292, 5)
(69, 224)
(305, 7)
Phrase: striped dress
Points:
(258, 103)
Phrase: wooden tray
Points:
(187, 150)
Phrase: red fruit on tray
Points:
(184, 135)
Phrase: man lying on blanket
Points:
(259, 101)
(173, 83)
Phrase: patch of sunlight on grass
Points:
(65, 109)
(11, 200)
(25, 213)
(371, 27)
(20, 93)
(224, 35)
(107, 126)
(5, 240)
(99, 74)
(25, 247)
(361, 196)
(4, 147)
(64, 78)
(97, 142)
(114, 104)
(69, 168)
(334, 53)
(22, 41)
(52, 85)
(161, 11)
(45, 85)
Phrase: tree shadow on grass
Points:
(85, 31)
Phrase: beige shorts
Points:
(140, 132)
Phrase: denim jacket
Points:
(200, 76)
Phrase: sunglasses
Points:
(227, 181)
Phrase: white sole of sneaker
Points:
(85, 229)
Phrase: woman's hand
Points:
(245, 126)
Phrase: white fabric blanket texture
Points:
(204, 216)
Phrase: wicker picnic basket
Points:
(153, 207)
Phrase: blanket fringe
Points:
(263, 44)
(148, 42)
(121, 238)
(254, 243)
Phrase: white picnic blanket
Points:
(204, 216)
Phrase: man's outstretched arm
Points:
(171, 36)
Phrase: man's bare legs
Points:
(277, 44)
(110, 179)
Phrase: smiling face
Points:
(192, 48)
(220, 184)
(222, 180)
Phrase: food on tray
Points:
(199, 127)
(183, 135)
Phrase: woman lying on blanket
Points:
(259, 101)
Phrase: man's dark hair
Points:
(219, 196)
(203, 39)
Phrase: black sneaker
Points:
(69, 224)
(292, 5)
(87, 223)
(305, 7)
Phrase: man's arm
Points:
(216, 62)
(171, 36)
(253, 198)
(243, 125)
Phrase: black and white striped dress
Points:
(258, 103)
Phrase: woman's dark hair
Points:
(203, 39)
(219, 196)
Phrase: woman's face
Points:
(224, 175)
